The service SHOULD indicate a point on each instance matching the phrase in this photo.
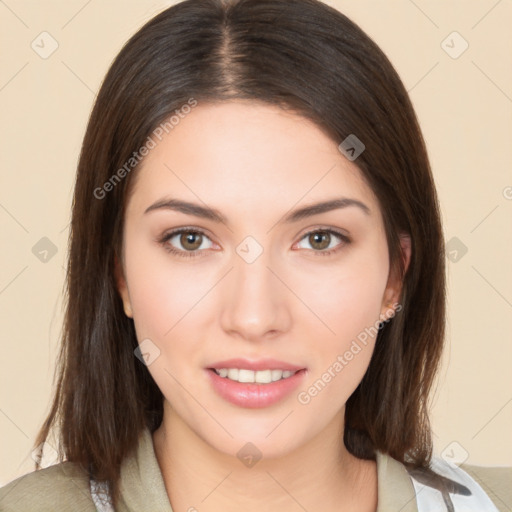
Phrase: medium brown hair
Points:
(300, 55)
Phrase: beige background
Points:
(465, 108)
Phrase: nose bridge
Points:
(256, 303)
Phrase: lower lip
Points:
(253, 395)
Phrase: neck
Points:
(319, 474)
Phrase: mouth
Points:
(254, 384)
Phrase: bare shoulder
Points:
(495, 481)
(63, 486)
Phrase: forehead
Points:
(247, 155)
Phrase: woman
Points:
(256, 290)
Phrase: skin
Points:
(255, 163)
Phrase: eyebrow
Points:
(206, 212)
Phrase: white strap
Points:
(430, 499)
(100, 496)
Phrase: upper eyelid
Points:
(173, 232)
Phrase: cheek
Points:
(346, 297)
(163, 292)
(168, 310)
(347, 301)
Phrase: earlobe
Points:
(122, 288)
(127, 308)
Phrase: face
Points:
(241, 281)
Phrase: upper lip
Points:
(260, 364)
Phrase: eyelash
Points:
(194, 254)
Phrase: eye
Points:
(321, 239)
(191, 241)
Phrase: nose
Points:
(256, 304)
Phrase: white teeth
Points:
(263, 376)
(233, 373)
(277, 374)
(245, 376)
(251, 376)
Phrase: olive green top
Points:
(65, 486)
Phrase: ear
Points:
(122, 288)
(393, 290)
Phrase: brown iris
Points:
(194, 239)
(322, 238)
